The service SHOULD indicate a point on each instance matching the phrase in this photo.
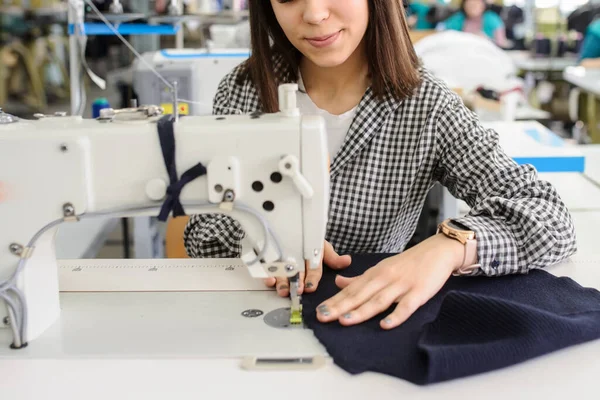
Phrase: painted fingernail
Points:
(283, 287)
(347, 315)
(309, 285)
(388, 321)
(323, 310)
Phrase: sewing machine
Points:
(198, 72)
(61, 169)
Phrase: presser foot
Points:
(296, 308)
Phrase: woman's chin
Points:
(332, 60)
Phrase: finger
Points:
(350, 298)
(405, 308)
(340, 262)
(301, 283)
(270, 282)
(342, 281)
(313, 277)
(380, 302)
(333, 259)
(283, 287)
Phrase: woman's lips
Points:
(323, 41)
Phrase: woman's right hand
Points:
(309, 281)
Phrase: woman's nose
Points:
(315, 11)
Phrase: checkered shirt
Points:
(393, 154)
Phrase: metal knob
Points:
(57, 114)
(7, 118)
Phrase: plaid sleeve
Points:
(215, 235)
(520, 221)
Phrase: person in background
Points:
(474, 17)
(416, 13)
(589, 56)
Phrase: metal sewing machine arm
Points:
(135, 162)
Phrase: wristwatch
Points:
(464, 235)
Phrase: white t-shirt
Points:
(337, 125)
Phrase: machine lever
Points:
(290, 166)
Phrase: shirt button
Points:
(495, 264)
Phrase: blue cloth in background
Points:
(490, 22)
(591, 43)
(473, 325)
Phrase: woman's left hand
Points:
(410, 279)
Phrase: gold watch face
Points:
(457, 231)
(457, 226)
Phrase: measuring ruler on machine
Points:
(133, 275)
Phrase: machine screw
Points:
(229, 195)
(6, 321)
(16, 249)
(289, 267)
(64, 148)
(252, 313)
(68, 210)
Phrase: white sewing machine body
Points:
(60, 168)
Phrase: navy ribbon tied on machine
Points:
(166, 135)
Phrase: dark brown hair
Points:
(393, 63)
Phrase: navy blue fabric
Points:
(473, 325)
(166, 134)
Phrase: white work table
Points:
(585, 224)
(525, 61)
(584, 78)
(592, 161)
(188, 346)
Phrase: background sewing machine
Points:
(63, 169)
(198, 73)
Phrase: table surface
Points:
(585, 78)
(188, 345)
(526, 62)
(592, 161)
(530, 140)
(586, 222)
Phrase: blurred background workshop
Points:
(529, 68)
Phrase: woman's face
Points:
(474, 8)
(325, 31)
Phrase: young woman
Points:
(474, 17)
(394, 130)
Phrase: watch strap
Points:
(469, 264)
